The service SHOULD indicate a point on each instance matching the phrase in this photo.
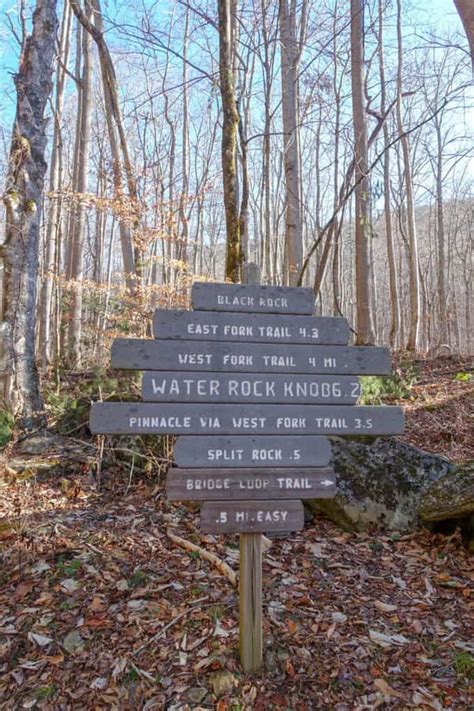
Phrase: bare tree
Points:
(291, 44)
(364, 326)
(23, 200)
(230, 123)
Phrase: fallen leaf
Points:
(69, 585)
(55, 659)
(73, 643)
(386, 689)
(97, 604)
(292, 626)
(423, 697)
(387, 640)
(331, 631)
(384, 606)
(22, 591)
(40, 639)
(222, 682)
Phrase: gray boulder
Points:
(380, 482)
(452, 497)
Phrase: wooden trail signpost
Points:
(251, 382)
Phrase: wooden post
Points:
(250, 581)
(250, 601)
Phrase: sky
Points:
(422, 18)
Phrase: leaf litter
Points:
(101, 608)
(107, 599)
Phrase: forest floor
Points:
(100, 608)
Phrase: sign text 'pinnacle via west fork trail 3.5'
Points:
(184, 418)
(251, 382)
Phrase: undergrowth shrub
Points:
(377, 389)
(6, 426)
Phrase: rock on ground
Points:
(380, 482)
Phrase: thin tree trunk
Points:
(364, 326)
(392, 271)
(442, 306)
(230, 123)
(290, 54)
(414, 281)
(117, 137)
(78, 235)
(183, 210)
(23, 200)
(55, 184)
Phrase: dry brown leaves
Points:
(100, 610)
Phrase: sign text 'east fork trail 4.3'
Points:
(250, 380)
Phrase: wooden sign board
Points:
(262, 452)
(184, 418)
(250, 328)
(235, 484)
(252, 516)
(219, 357)
(170, 386)
(252, 299)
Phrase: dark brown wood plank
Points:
(252, 516)
(252, 299)
(236, 484)
(250, 328)
(218, 357)
(247, 451)
(184, 418)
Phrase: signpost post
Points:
(251, 382)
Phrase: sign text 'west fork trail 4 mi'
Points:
(251, 382)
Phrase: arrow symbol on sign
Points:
(327, 482)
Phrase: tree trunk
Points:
(364, 327)
(117, 137)
(233, 262)
(290, 54)
(465, 10)
(442, 305)
(23, 200)
(414, 281)
(55, 184)
(78, 233)
(392, 271)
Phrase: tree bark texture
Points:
(412, 240)
(230, 123)
(364, 327)
(55, 184)
(117, 136)
(290, 55)
(390, 238)
(465, 10)
(23, 200)
(78, 233)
